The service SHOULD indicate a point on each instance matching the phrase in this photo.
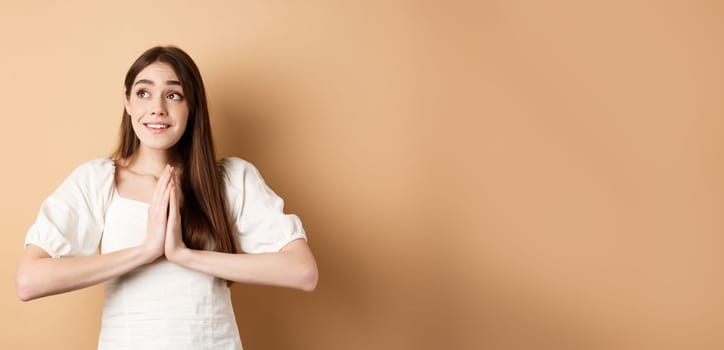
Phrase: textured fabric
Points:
(70, 221)
(160, 305)
(258, 211)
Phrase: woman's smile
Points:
(156, 128)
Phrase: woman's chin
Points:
(157, 146)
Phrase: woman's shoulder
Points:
(232, 167)
(235, 171)
(94, 174)
(96, 168)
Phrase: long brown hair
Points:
(204, 218)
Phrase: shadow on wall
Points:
(250, 116)
(404, 295)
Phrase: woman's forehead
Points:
(157, 72)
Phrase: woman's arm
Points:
(293, 266)
(40, 275)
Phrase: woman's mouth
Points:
(156, 128)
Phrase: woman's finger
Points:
(173, 211)
(161, 185)
(164, 199)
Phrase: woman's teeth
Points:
(157, 126)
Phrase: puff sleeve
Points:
(257, 212)
(70, 221)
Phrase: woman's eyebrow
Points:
(150, 82)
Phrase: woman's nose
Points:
(158, 107)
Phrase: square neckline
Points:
(116, 194)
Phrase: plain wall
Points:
(471, 174)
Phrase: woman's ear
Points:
(126, 104)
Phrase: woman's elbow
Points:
(24, 287)
(310, 278)
(306, 274)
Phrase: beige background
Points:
(472, 175)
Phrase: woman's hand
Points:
(157, 216)
(174, 246)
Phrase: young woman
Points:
(170, 222)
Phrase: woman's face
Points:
(159, 111)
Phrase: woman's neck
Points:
(149, 161)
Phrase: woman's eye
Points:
(176, 96)
(142, 93)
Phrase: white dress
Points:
(160, 305)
